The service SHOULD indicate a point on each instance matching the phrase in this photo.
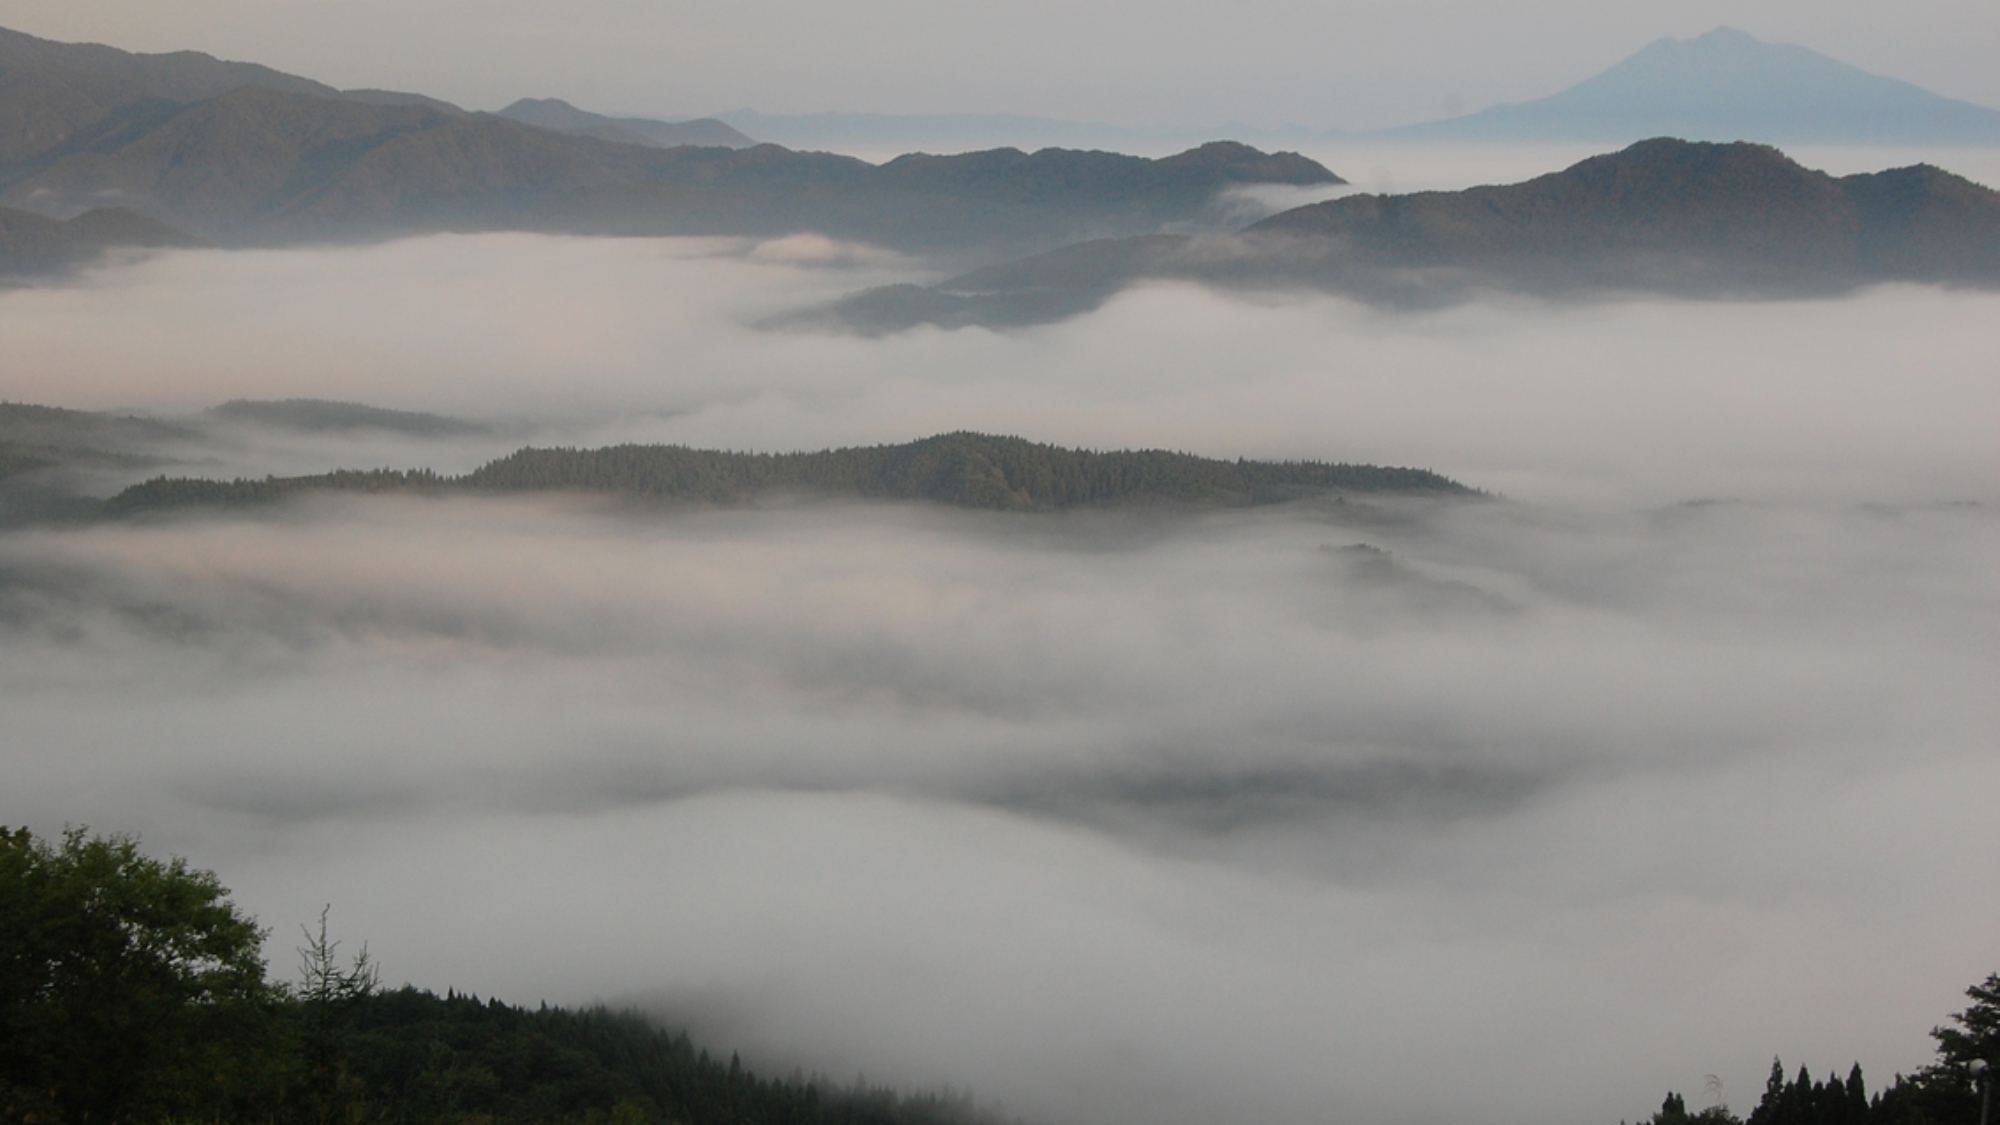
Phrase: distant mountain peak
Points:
(1726, 85)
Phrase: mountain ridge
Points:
(240, 155)
(1664, 216)
(960, 469)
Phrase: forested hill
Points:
(962, 469)
(411, 1055)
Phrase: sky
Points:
(1265, 63)
(1670, 757)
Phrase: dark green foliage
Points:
(422, 1058)
(962, 469)
(131, 990)
(180, 492)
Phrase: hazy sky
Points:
(1263, 62)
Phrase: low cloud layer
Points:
(1674, 757)
(1104, 816)
(1884, 396)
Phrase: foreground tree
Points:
(131, 992)
(130, 988)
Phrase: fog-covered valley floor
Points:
(1674, 754)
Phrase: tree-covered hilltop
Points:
(963, 469)
(132, 991)
(188, 492)
(1943, 1093)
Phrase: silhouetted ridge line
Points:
(242, 155)
(1663, 216)
(965, 470)
(1667, 209)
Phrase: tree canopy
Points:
(133, 991)
(127, 984)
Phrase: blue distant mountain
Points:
(1726, 86)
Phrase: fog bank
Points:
(1883, 396)
(1673, 755)
(1106, 816)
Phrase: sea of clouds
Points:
(1672, 754)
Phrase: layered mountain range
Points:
(237, 154)
(1663, 216)
(102, 148)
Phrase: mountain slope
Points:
(1726, 86)
(55, 94)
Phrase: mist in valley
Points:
(1671, 753)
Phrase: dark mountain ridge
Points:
(965, 470)
(1663, 216)
(1739, 215)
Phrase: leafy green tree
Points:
(129, 987)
